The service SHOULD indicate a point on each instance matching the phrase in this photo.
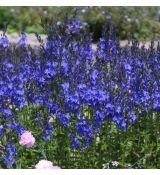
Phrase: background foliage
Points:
(141, 23)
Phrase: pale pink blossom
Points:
(27, 139)
(45, 164)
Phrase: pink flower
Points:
(27, 139)
(45, 164)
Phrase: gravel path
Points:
(32, 40)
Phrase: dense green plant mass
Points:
(136, 22)
(138, 147)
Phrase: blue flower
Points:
(4, 43)
(48, 129)
(23, 40)
(64, 118)
(74, 143)
(8, 160)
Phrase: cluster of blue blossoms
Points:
(77, 85)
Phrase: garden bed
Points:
(71, 105)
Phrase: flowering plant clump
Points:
(66, 81)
